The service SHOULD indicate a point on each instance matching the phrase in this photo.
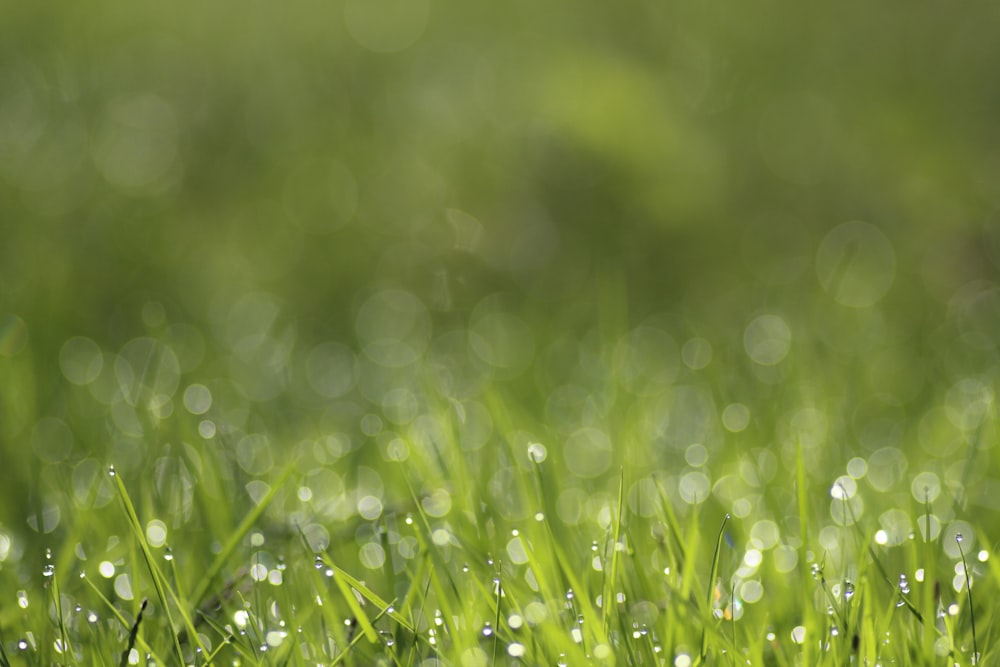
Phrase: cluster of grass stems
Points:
(569, 601)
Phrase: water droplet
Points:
(904, 584)
(22, 599)
(465, 567)
(111, 470)
(834, 631)
(22, 644)
(959, 538)
(569, 594)
(487, 630)
(817, 571)
(318, 564)
(848, 590)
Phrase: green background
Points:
(242, 183)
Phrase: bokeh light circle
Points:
(856, 264)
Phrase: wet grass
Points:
(443, 513)
(449, 570)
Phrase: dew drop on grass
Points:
(111, 471)
(487, 630)
(22, 644)
(848, 590)
(22, 599)
(904, 584)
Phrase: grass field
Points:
(633, 516)
(420, 332)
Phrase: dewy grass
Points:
(976, 656)
(420, 549)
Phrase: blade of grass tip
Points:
(124, 623)
(611, 577)
(808, 611)
(496, 623)
(201, 589)
(136, 526)
(67, 649)
(345, 583)
(160, 581)
(368, 594)
(347, 649)
(976, 658)
(711, 582)
(133, 634)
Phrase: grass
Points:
(620, 524)
(447, 565)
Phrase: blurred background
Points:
(706, 226)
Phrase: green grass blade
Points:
(802, 497)
(155, 575)
(611, 576)
(713, 573)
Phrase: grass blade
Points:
(155, 575)
(711, 582)
(976, 658)
(133, 634)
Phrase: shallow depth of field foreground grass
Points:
(651, 510)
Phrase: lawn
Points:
(400, 332)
